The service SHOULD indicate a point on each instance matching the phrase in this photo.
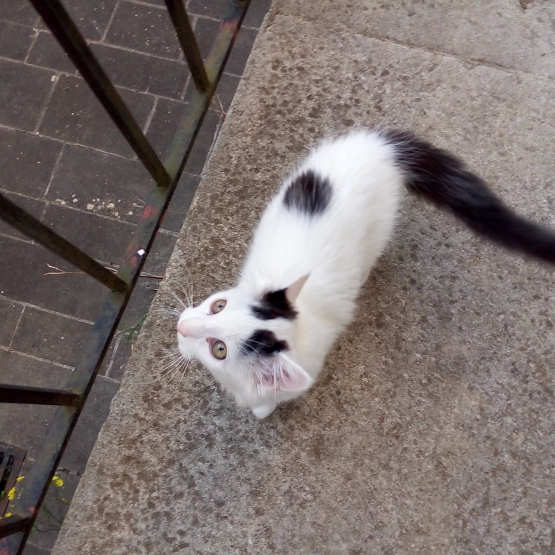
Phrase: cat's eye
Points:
(219, 350)
(218, 306)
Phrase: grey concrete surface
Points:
(513, 34)
(431, 429)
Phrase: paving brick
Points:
(54, 509)
(25, 280)
(15, 40)
(9, 316)
(144, 28)
(181, 200)
(50, 336)
(168, 115)
(129, 326)
(31, 549)
(154, 2)
(165, 123)
(32, 206)
(47, 52)
(256, 13)
(107, 358)
(143, 72)
(120, 358)
(203, 143)
(93, 416)
(25, 425)
(206, 31)
(87, 178)
(75, 115)
(224, 93)
(92, 18)
(18, 12)
(102, 238)
(23, 93)
(209, 8)
(27, 162)
(159, 254)
(139, 305)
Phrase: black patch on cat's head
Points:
(274, 304)
(308, 193)
(265, 343)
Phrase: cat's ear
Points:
(283, 374)
(292, 292)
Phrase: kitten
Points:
(266, 339)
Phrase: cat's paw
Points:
(263, 411)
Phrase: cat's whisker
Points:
(185, 292)
(176, 296)
(172, 375)
(185, 367)
(170, 364)
(181, 369)
(167, 368)
(189, 285)
(165, 310)
(173, 356)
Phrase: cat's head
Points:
(247, 339)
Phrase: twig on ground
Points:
(59, 272)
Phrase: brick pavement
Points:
(66, 163)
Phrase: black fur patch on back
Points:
(274, 304)
(441, 178)
(308, 193)
(265, 343)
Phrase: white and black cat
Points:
(266, 339)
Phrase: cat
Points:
(266, 339)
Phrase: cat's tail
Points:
(442, 179)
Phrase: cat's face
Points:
(247, 340)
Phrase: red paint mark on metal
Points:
(148, 212)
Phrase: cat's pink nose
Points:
(183, 329)
(191, 328)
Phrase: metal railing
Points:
(15, 529)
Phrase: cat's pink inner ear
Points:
(292, 292)
(286, 375)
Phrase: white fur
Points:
(336, 249)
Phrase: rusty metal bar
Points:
(183, 140)
(33, 228)
(92, 354)
(64, 29)
(37, 396)
(12, 525)
(188, 42)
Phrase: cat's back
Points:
(337, 207)
(359, 162)
(354, 172)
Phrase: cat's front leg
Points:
(264, 410)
